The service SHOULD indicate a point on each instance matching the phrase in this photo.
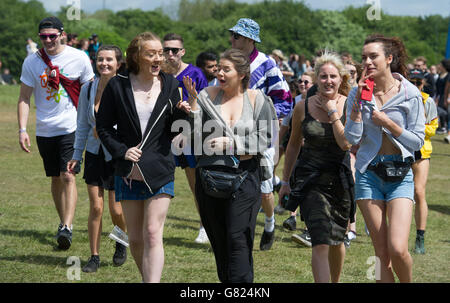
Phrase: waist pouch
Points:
(221, 184)
(391, 171)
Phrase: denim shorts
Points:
(139, 190)
(371, 187)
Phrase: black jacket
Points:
(117, 106)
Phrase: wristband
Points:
(332, 122)
(22, 130)
(284, 182)
(332, 112)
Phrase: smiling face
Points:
(374, 60)
(227, 75)
(107, 64)
(304, 84)
(52, 46)
(329, 80)
(150, 57)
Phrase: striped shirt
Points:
(265, 75)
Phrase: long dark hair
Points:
(392, 46)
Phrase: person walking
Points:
(143, 102)
(389, 127)
(54, 74)
(242, 119)
(266, 76)
(322, 182)
(421, 166)
(98, 164)
(173, 47)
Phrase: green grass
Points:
(28, 222)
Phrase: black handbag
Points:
(391, 171)
(221, 184)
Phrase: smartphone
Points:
(366, 93)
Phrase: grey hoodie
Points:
(405, 109)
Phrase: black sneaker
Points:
(290, 223)
(303, 239)
(267, 240)
(64, 238)
(120, 255)
(60, 226)
(92, 265)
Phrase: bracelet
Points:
(284, 182)
(332, 122)
(22, 130)
(332, 112)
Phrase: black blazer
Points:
(117, 107)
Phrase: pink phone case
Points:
(366, 94)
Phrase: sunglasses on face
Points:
(416, 82)
(174, 50)
(303, 81)
(52, 37)
(235, 36)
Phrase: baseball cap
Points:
(416, 74)
(248, 28)
(51, 22)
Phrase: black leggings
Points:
(230, 225)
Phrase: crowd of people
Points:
(226, 122)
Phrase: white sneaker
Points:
(119, 235)
(202, 237)
(447, 139)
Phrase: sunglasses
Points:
(174, 50)
(416, 82)
(303, 81)
(52, 37)
(235, 36)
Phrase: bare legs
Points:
(420, 170)
(145, 224)
(96, 199)
(327, 262)
(64, 193)
(390, 240)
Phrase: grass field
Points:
(28, 223)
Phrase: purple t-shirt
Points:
(196, 75)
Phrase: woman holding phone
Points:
(389, 128)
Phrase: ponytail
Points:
(395, 47)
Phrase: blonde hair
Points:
(329, 57)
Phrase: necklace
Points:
(387, 90)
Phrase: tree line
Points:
(288, 25)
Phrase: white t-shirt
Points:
(55, 113)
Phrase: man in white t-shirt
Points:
(56, 117)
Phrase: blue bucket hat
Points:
(248, 28)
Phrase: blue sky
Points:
(392, 7)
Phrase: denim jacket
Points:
(405, 109)
(84, 135)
